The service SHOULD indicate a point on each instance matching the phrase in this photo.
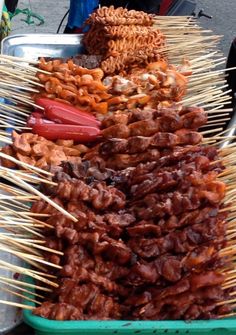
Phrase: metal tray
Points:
(32, 46)
(10, 316)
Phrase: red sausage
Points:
(63, 113)
(53, 131)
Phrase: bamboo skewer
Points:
(17, 87)
(18, 64)
(18, 59)
(16, 204)
(14, 75)
(25, 165)
(22, 289)
(226, 316)
(25, 228)
(13, 119)
(29, 177)
(14, 109)
(26, 217)
(25, 284)
(20, 295)
(15, 304)
(28, 257)
(15, 245)
(27, 272)
(34, 245)
(41, 195)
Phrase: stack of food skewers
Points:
(121, 197)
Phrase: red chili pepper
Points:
(55, 131)
(63, 113)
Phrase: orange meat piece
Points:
(37, 151)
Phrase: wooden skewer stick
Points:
(14, 109)
(18, 98)
(24, 165)
(16, 94)
(15, 304)
(222, 110)
(22, 237)
(24, 227)
(24, 66)
(4, 133)
(16, 120)
(17, 87)
(12, 126)
(27, 217)
(9, 73)
(8, 241)
(12, 222)
(42, 248)
(19, 59)
(16, 203)
(19, 197)
(38, 215)
(226, 316)
(27, 272)
(214, 124)
(5, 140)
(213, 73)
(12, 249)
(22, 289)
(208, 55)
(25, 284)
(226, 130)
(191, 89)
(41, 195)
(220, 119)
(205, 93)
(211, 131)
(226, 302)
(30, 177)
(21, 229)
(23, 72)
(25, 297)
(209, 67)
(14, 190)
(44, 274)
(216, 115)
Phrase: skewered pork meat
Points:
(98, 194)
(147, 239)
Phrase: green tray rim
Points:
(72, 327)
(50, 326)
(46, 326)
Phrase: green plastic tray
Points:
(50, 327)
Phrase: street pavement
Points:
(51, 11)
(222, 23)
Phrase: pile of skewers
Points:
(138, 221)
(124, 39)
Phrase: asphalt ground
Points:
(52, 12)
(223, 21)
